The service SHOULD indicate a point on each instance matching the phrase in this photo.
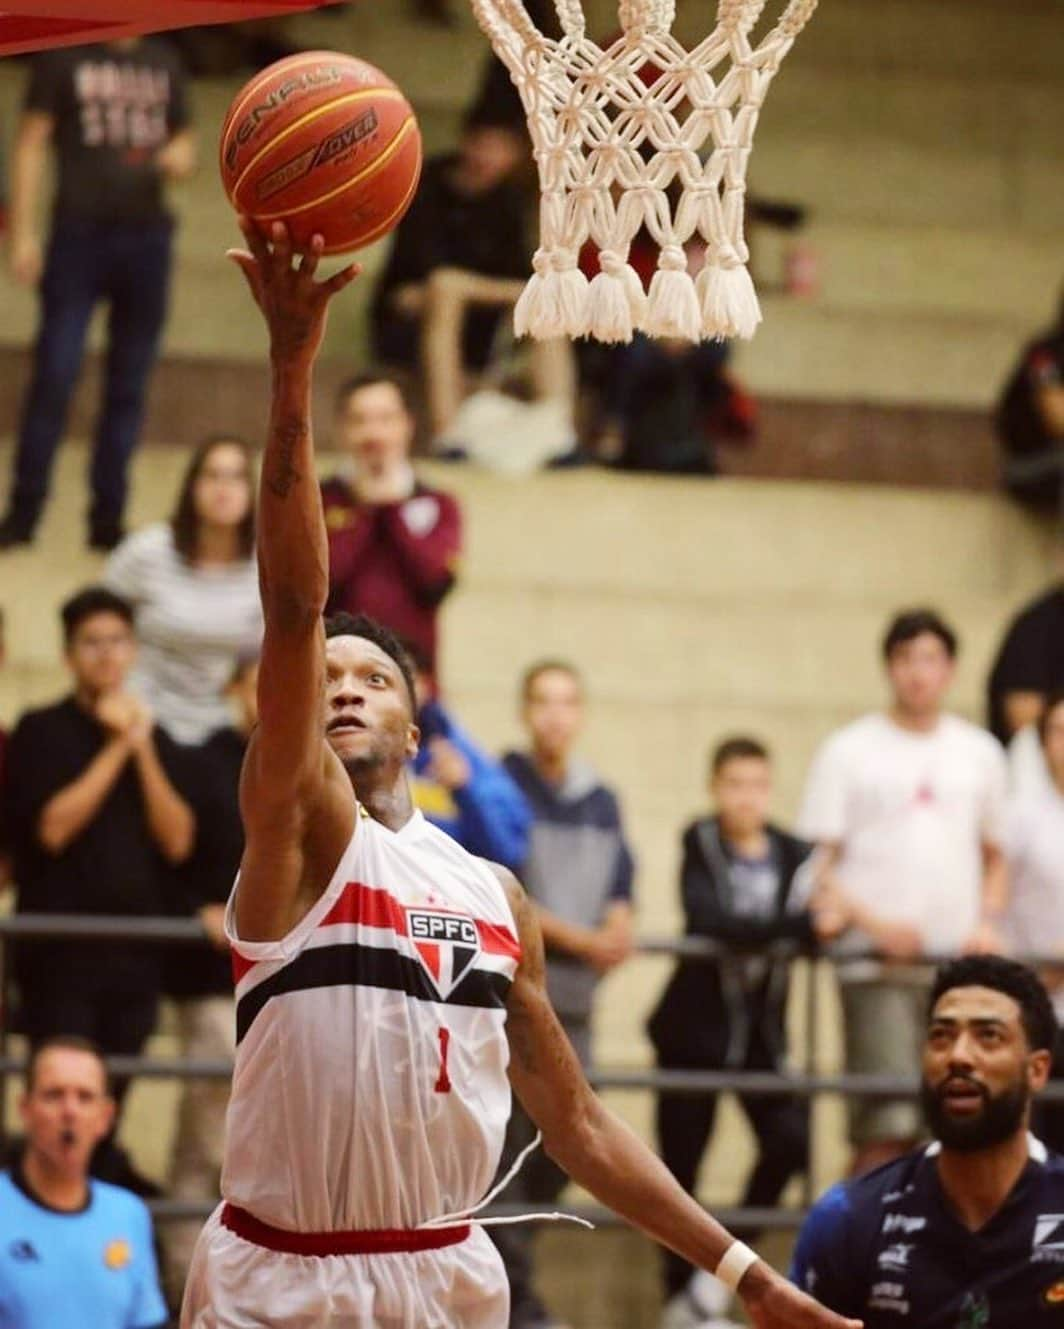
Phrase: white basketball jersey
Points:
(370, 1086)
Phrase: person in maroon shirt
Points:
(393, 542)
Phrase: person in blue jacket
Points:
(462, 790)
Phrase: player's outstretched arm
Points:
(293, 789)
(600, 1153)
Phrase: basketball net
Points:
(610, 140)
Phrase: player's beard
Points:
(1002, 1116)
(363, 767)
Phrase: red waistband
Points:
(381, 1241)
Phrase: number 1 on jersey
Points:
(443, 1080)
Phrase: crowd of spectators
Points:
(917, 835)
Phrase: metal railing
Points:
(810, 1082)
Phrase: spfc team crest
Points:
(446, 944)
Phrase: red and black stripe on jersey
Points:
(372, 914)
(352, 965)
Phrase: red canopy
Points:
(29, 25)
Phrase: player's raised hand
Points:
(774, 1303)
(293, 303)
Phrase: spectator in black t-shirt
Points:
(745, 883)
(116, 116)
(95, 824)
(1029, 665)
(200, 980)
(457, 264)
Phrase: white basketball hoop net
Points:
(608, 146)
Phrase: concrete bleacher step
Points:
(881, 179)
(812, 350)
(923, 139)
(968, 38)
(962, 271)
(857, 340)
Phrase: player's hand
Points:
(448, 765)
(26, 259)
(773, 1303)
(292, 302)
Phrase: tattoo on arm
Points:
(281, 472)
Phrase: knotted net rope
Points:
(610, 146)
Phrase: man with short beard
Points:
(968, 1232)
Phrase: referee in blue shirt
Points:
(75, 1253)
(967, 1233)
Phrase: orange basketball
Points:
(325, 143)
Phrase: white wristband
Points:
(736, 1260)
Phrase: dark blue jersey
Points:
(887, 1249)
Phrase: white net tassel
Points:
(673, 307)
(555, 301)
(730, 307)
(614, 145)
(616, 300)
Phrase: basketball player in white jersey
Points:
(389, 985)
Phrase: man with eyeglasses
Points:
(94, 820)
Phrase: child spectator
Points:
(745, 882)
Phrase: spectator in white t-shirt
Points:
(1035, 848)
(907, 809)
(193, 585)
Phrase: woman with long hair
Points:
(193, 584)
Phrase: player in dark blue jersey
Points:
(967, 1233)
